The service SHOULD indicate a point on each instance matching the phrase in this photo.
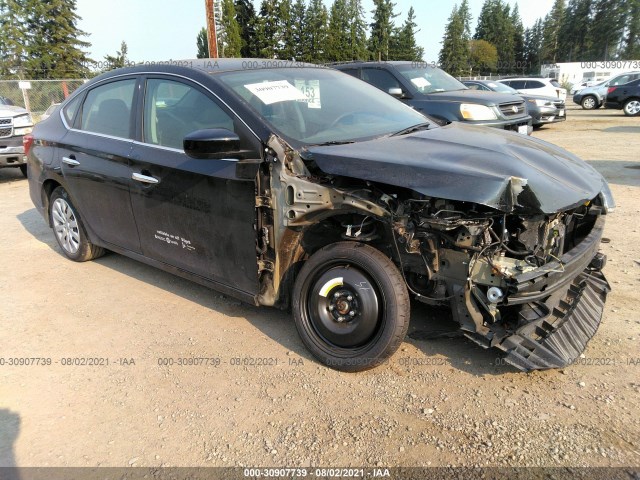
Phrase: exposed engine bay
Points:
(527, 283)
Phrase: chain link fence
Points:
(41, 95)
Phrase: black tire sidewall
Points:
(390, 287)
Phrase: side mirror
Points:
(396, 92)
(212, 143)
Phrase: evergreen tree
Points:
(632, 37)
(338, 47)
(607, 29)
(229, 37)
(246, 17)
(574, 38)
(551, 31)
(118, 60)
(495, 25)
(54, 48)
(315, 43)
(286, 48)
(357, 31)
(454, 55)
(518, 41)
(267, 29)
(533, 46)
(404, 46)
(382, 29)
(13, 39)
(202, 44)
(298, 36)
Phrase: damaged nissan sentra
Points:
(301, 187)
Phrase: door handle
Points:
(138, 177)
(70, 161)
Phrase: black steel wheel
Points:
(351, 306)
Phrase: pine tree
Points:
(229, 37)
(607, 29)
(533, 46)
(574, 38)
(382, 29)
(13, 39)
(298, 36)
(632, 37)
(552, 25)
(454, 55)
(495, 25)
(267, 29)
(202, 44)
(54, 48)
(120, 59)
(286, 48)
(404, 46)
(338, 48)
(518, 41)
(316, 21)
(246, 17)
(357, 31)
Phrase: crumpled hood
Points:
(499, 169)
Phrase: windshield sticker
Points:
(420, 82)
(274, 92)
(311, 90)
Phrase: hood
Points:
(503, 170)
(473, 96)
(11, 111)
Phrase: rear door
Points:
(95, 162)
(193, 214)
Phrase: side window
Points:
(107, 109)
(621, 80)
(351, 71)
(473, 86)
(534, 84)
(380, 78)
(173, 109)
(71, 108)
(517, 84)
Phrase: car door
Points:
(95, 162)
(191, 213)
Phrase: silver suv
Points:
(15, 123)
(593, 97)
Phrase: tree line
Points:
(311, 32)
(577, 31)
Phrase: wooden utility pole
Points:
(211, 29)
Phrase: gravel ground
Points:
(437, 402)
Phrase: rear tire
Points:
(23, 169)
(69, 230)
(351, 306)
(632, 107)
(589, 102)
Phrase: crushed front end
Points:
(530, 285)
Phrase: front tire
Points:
(632, 107)
(69, 230)
(351, 306)
(589, 102)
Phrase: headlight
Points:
(606, 196)
(22, 131)
(540, 103)
(473, 111)
(22, 121)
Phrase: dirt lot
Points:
(437, 402)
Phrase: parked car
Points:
(5, 101)
(576, 87)
(537, 86)
(593, 97)
(543, 110)
(15, 123)
(625, 97)
(47, 113)
(440, 96)
(306, 188)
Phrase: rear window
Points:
(555, 83)
(534, 84)
(517, 84)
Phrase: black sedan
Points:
(302, 187)
(543, 110)
(625, 97)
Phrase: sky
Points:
(161, 30)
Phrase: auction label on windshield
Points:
(274, 92)
(311, 90)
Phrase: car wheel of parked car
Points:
(632, 107)
(23, 169)
(589, 102)
(68, 228)
(351, 306)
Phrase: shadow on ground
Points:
(9, 431)
(618, 172)
(9, 175)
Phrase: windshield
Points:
(500, 87)
(318, 105)
(430, 79)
